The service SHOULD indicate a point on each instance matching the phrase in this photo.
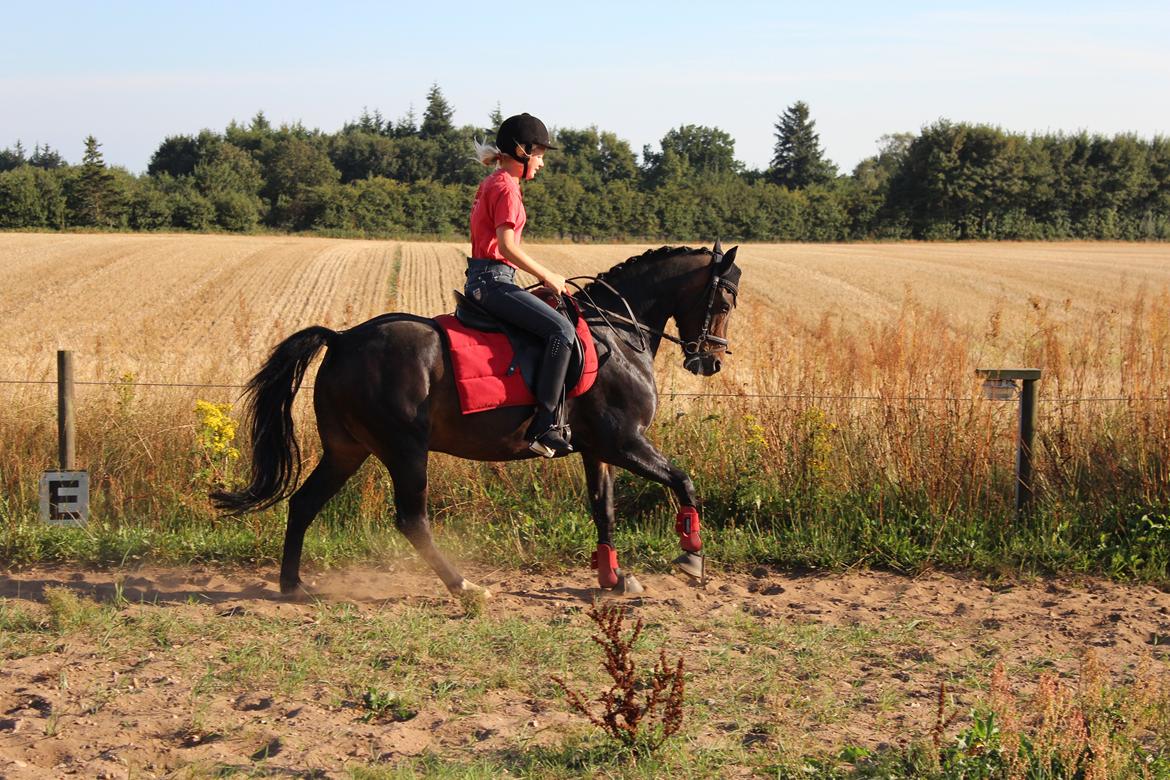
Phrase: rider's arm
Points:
(506, 240)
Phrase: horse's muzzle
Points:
(703, 364)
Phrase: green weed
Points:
(385, 706)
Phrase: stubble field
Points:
(846, 432)
(204, 308)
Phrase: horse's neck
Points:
(652, 292)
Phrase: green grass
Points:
(841, 531)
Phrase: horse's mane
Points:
(638, 261)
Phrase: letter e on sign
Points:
(65, 497)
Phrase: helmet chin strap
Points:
(525, 159)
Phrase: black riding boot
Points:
(544, 437)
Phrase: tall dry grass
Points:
(1092, 728)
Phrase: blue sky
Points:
(132, 73)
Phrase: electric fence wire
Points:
(670, 394)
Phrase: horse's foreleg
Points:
(408, 470)
(327, 478)
(640, 457)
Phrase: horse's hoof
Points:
(471, 597)
(628, 585)
(468, 589)
(691, 564)
(295, 591)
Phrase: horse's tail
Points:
(276, 456)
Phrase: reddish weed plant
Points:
(633, 720)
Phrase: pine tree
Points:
(12, 158)
(798, 160)
(406, 126)
(496, 118)
(94, 193)
(437, 118)
(369, 123)
(46, 157)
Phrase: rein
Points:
(690, 348)
(605, 314)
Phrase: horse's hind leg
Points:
(336, 467)
(408, 469)
(599, 481)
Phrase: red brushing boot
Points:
(687, 527)
(605, 561)
(610, 576)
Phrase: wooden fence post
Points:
(66, 431)
(1024, 490)
(995, 381)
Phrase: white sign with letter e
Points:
(65, 497)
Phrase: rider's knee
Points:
(565, 332)
(558, 343)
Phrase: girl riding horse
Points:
(497, 223)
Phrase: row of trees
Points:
(390, 178)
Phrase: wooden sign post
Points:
(995, 380)
(66, 430)
(64, 493)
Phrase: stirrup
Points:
(550, 444)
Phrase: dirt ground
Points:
(868, 649)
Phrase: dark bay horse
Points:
(386, 387)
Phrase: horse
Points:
(386, 387)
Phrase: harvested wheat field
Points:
(179, 307)
(999, 304)
(207, 308)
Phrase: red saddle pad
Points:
(481, 362)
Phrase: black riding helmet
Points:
(525, 131)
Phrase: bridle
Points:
(692, 350)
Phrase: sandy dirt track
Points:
(922, 631)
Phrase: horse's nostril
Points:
(716, 365)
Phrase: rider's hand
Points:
(555, 282)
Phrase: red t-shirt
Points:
(497, 202)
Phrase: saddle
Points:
(496, 363)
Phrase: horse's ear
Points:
(728, 259)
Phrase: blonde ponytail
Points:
(486, 153)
